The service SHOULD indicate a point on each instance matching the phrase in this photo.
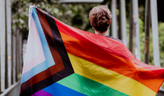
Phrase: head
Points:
(100, 18)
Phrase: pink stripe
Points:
(40, 58)
(41, 93)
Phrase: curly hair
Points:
(100, 18)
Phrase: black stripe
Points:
(59, 43)
(46, 82)
(63, 53)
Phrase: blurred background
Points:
(138, 23)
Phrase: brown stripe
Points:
(51, 42)
(55, 54)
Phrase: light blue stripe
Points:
(47, 53)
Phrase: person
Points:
(100, 20)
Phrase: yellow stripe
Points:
(109, 78)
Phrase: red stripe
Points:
(113, 62)
(114, 57)
(108, 44)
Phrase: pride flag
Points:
(64, 61)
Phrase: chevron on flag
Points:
(64, 61)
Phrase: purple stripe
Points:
(41, 93)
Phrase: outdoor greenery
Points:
(77, 15)
(72, 14)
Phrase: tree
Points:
(75, 15)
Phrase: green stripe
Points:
(88, 87)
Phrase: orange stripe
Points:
(105, 43)
(111, 61)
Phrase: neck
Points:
(104, 33)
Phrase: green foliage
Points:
(142, 38)
(161, 42)
(142, 41)
(75, 15)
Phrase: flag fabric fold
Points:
(61, 60)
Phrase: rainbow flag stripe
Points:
(61, 60)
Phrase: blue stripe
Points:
(47, 53)
(57, 89)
